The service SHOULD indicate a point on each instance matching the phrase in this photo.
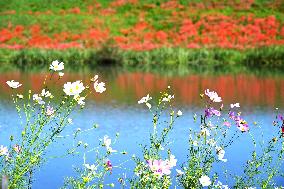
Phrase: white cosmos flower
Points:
(61, 74)
(99, 87)
(205, 131)
(195, 143)
(20, 96)
(168, 98)
(213, 96)
(38, 99)
(148, 105)
(92, 168)
(221, 154)
(70, 121)
(111, 150)
(204, 180)
(45, 93)
(220, 185)
(68, 89)
(4, 151)
(78, 87)
(13, 84)
(80, 100)
(211, 142)
(56, 66)
(144, 99)
(94, 78)
(79, 143)
(179, 172)
(237, 105)
(73, 89)
(107, 143)
(172, 161)
(179, 113)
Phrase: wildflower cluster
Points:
(153, 171)
(162, 167)
(240, 122)
(44, 121)
(92, 175)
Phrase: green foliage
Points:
(38, 59)
(145, 176)
(263, 166)
(42, 120)
(35, 5)
(27, 151)
(265, 58)
(173, 58)
(92, 175)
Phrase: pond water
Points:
(117, 110)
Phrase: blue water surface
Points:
(133, 123)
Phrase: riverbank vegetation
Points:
(174, 58)
(136, 33)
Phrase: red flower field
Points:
(194, 25)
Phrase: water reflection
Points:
(117, 111)
(128, 87)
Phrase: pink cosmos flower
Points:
(109, 165)
(227, 124)
(232, 115)
(280, 117)
(159, 167)
(242, 125)
(240, 122)
(211, 111)
(49, 111)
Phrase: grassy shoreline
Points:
(145, 34)
(173, 58)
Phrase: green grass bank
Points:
(271, 58)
